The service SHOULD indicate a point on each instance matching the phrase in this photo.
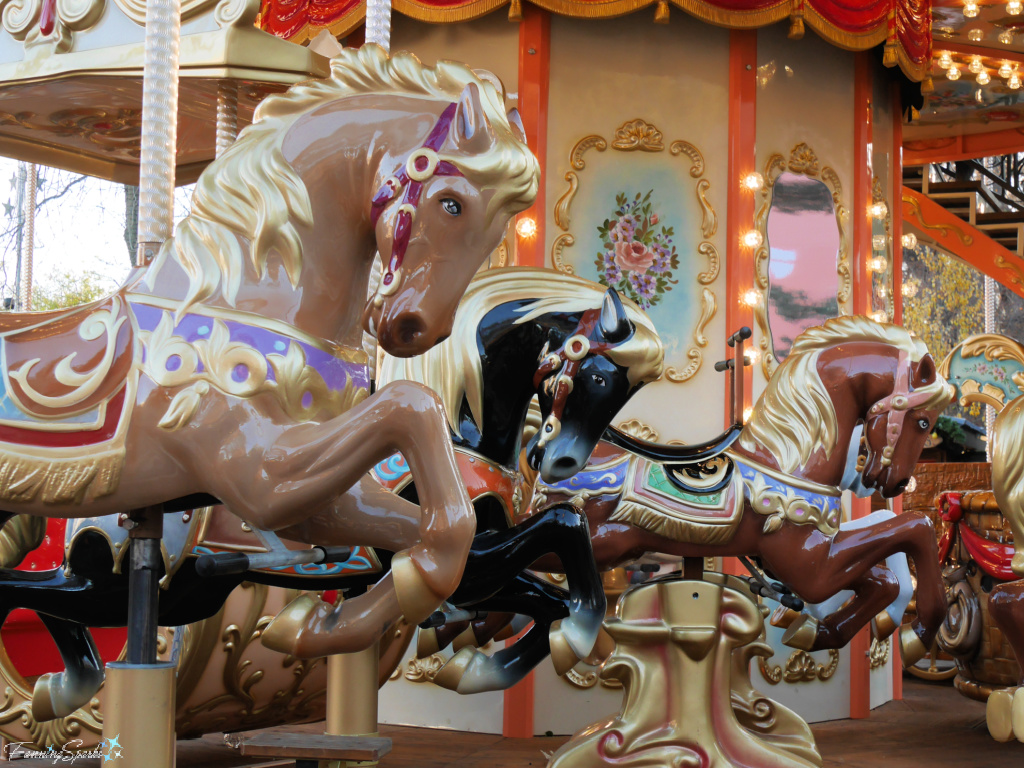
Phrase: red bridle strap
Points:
(421, 165)
(897, 405)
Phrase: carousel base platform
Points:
(933, 726)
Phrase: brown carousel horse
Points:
(231, 369)
(775, 494)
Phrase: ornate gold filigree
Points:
(677, 376)
(802, 160)
(639, 430)
(696, 158)
(943, 229)
(878, 654)
(711, 273)
(21, 21)
(1003, 263)
(709, 220)
(561, 242)
(562, 218)
(780, 507)
(708, 307)
(424, 670)
(582, 680)
(801, 667)
(580, 148)
(238, 369)
(638, 135)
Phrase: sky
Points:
(78, 233)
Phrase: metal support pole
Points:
(990, 327)
(29, 240)
(145, 530)
(378, 23)
(20, 179)
(227, 115)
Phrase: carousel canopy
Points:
(71, 80)
(904, 26)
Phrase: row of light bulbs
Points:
(976, 66)
(972, 9)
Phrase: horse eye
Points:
(923, 423)
(452, 206)
(598, 379)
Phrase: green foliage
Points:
(68, 289)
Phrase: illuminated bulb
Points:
(526, 227)
(975, 35)
(879, 242)
(1006, 38)
(883, 291)
(1014, 81)
(909, 289)
(753, 181)
(752, 356)
(975, 66)
(880, 317)
(1005, 70)
(878, 264)
(909, 240)
(953, 73)
(983, 78)
(751, 298)
(747, 413)
(945, 60)
(1014, 7)
(753, 239)
(970, 9)
(879, 210)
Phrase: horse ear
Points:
(614, 321)
(925, 372)
(515, 121)
(473, 131)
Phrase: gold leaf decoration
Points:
(709, 275)
(183, 406)
(801, 667)
(638, 135)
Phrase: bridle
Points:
(897, 404)
(421, 165)
(566, 360)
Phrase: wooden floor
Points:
(932, 727)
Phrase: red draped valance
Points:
(904, 26)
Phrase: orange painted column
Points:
(534, 72)
(534, 76)
(739, 269)
(860, 671)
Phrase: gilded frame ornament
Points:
(639, 135)
(802, 160)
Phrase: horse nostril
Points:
(565, 462)
(409, 328)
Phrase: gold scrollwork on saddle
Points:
(783, 499)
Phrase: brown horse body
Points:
(232, 368)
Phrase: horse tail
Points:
(1008, 473)
(18, 537)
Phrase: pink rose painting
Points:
(638, 256)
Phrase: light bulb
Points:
(945, 59)
(879, 242)
(1014, 81)
(1014, 7)
(1006, 38)
(526, 227)
(983, 78)
(883, 291)
(753, 239)
(747, 413)
(909, 289)
(752, 356)
(879, 210)
(878, 264)
(970, 9)
(880, 317)
(975, 66)
(909, 240)
(953, 73)
(1005, 70)
(753, 181)
(975, 35)
(751, 298)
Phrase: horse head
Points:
(897, 426)
(440, 210)
(586, 380)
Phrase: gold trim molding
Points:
(801, 667)
(802, 160)
(943, 229)
(640, 135)
(878, 654)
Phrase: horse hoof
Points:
(912, 649)
(563, 656)
(415, 597)
(43, 708)
(58, 695)
(782, 617)
(453, 675)
(284, 633)
(999, 714)
(801, 633)
(465, 639)
(426, 643)
(882, 626)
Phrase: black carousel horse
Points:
(531, 332)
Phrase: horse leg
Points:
(472, 671)
(563, 531)
(60, 694)
(459, 634)
(1005, 709)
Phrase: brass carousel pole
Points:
(29, 239)
(138, 723)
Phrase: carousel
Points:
(540, 376)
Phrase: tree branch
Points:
(67, 188)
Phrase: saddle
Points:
(68, 384)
